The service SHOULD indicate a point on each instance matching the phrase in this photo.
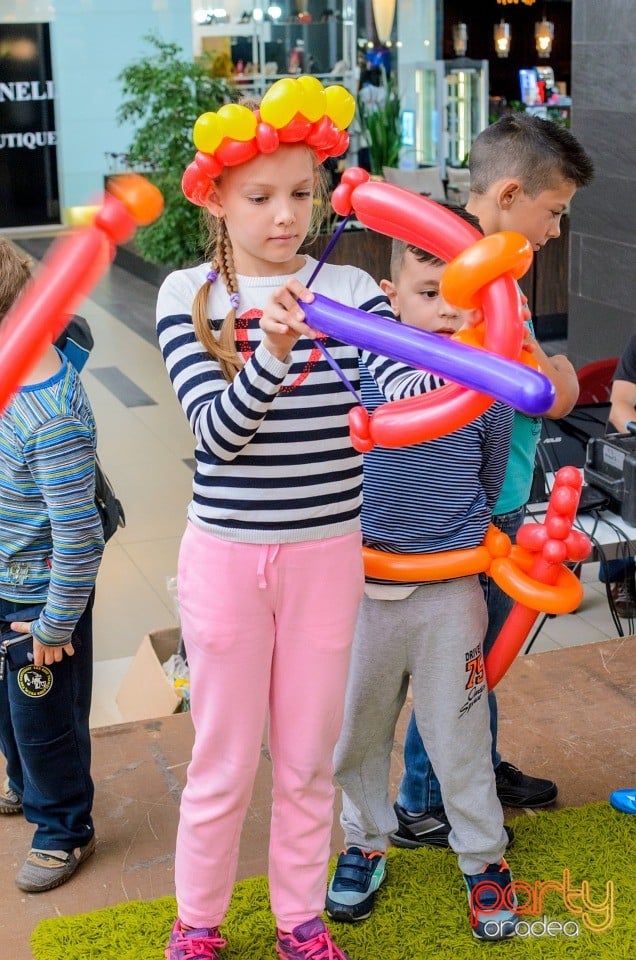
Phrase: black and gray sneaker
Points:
(516, 789)
(428, 829)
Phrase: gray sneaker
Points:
(10, 802)
(46, 869)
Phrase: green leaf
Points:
(381, 127)
(162, 96)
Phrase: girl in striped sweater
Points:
(270, 571)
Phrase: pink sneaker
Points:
(202, 943)
(309, 941)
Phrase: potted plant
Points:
(379, 117)
(163, 94)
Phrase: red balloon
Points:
(323, 134)
(266, 138)
(355, 176)
(73, 268)
(232, 152)
(195, 185)
(115, 220)
(297, 129)
(403, 422)
(208, 164)
(341, 200)
(341, 145)
(537, 578)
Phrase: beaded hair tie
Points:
(213, 276)
(294, 110)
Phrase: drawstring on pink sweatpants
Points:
(268, 553)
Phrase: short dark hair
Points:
(15, 273)
(399, 247)
(537, 152)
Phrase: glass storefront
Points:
(29, 190)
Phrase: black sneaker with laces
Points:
(516, 789)
(428, 829)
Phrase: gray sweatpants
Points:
(434, 636)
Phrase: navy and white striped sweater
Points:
(274, 464)
(437, 495)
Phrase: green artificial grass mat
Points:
(421, 909)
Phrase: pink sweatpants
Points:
(265, 627)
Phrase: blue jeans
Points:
(611, 571)
(419, 787)
(45, 737)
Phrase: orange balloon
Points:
(562, 597)
(412, 567)
(474, 337)
(141, 198)
(486, 260)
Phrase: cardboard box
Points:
(146, 692)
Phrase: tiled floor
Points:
(145, 446)
(570, 704)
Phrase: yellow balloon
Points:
(341, 105)
(313, 105)
(239, 122)
(208, 132)
(281, 102)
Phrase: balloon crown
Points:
(293, 110)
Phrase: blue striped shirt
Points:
(51, 538)
(274, 458)
(437, 495)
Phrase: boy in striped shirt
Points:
(51, 543)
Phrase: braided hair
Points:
(222, 349)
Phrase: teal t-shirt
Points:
(517, 483)
(518, 478)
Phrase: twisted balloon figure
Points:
(71, 270)
(535, 575)
(482, 275)
(532, 572)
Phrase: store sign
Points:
(29, 192)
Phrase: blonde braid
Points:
(222, 349)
